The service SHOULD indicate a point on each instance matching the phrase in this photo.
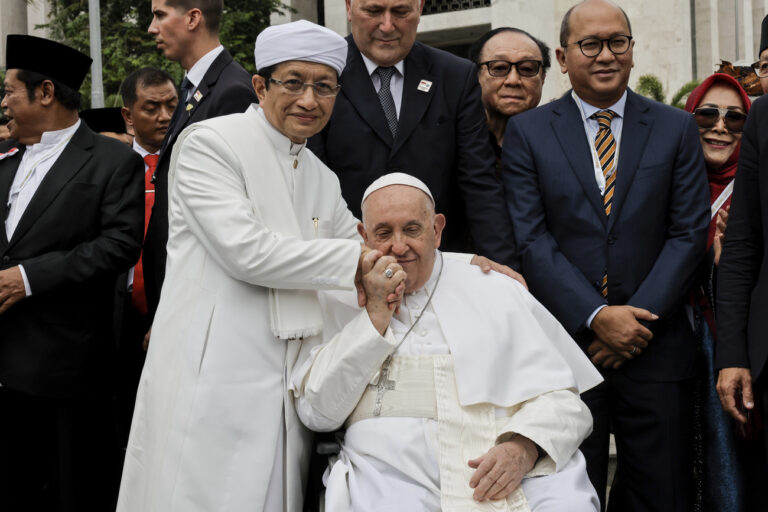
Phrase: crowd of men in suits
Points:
(598, 199)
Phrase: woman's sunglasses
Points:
(707, 117)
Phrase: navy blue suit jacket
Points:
(649, 246)
(742, 280)
(442, 139)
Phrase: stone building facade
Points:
(676, 40)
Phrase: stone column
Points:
(336, 16)
(13, 20)
(304, 10)
(749, 43)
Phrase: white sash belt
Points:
(425, 387)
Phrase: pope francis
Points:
(465, 399)
(257, 224)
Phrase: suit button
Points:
(6, 259)
(611, 240)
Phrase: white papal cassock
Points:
(501, 364)
(213, 429)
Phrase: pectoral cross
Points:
(382, 386)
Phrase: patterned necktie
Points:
(385, 97)
(138, 297)
(605, 146)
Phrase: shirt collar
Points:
(55, 137)
(588, 110)
(282, 143)
(140, 150)
(371, 66)
(198, 70)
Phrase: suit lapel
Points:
(358, 88)
(634, 137)
(415, 101)
(569, 130)
(69, 163)
(8, 167)
(199, 94)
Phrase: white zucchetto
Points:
(300, 40)
(396, 178)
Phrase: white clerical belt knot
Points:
(384, 383)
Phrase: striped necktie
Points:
(605, 146)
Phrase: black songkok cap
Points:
(49, 58)
(104, 119)
(763, 36)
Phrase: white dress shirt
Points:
(591, 127)
(36, 161)
(396, 83)
(200, 68)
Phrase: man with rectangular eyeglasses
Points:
(511, 68)
(608, 195)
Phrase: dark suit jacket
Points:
(225, 89)
(652, 241)
(742, 286)
(82, 228)
(442, 139)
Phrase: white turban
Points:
(300, 40)
(396, 178)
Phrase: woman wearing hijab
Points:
(719, 106)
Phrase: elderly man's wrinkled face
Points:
(297, 114)
(508, 95)
(400, 221)
(384, 30)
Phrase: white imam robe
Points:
(213, 428)
(391, 464)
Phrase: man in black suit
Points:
(742, 290)
(187, 31)
(407, 107)
(73, 214)
(609, 198)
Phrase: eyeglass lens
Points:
(761, 68)
(707, 117)
(499, 68)
(592, 47)
(295, 86)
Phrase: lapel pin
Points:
(8, 153)
(198, 95)
(424, 86)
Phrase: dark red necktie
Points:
(138, 297)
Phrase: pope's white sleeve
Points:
(208, 192)
(557, 421)
(331, 381)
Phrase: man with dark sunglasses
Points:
(511, 68)
(608, 196)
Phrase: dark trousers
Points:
(651, 422)
(57, 455)
(130, 362)
(754, 454)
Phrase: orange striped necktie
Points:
(605, 146)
